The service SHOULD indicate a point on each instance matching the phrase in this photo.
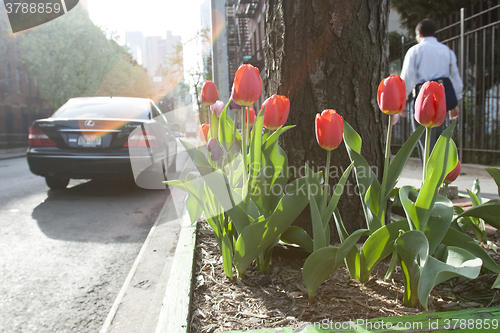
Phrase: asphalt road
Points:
(64, 255)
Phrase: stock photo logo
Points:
(27, 14)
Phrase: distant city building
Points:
(206, 25)
(136, 42)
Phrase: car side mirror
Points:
(175, 127)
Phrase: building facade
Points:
(20, 100)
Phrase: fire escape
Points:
(245, 10)
(232, 40)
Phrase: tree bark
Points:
(329, 54)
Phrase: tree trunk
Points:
(329, 54)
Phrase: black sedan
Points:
(103, 138)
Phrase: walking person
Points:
(431, 60)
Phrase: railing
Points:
(476, 42)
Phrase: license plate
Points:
(89, 141)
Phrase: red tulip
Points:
(391, 95)
(209, 93)
(247, 85)
(250, 113)
(203, 131)
(329, 129)
(276, 111)
(453, 174)
(430, 106)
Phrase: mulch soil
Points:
(279, 299)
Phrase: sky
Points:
(153, 18)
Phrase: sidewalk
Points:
(412, 175)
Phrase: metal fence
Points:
(474, 36)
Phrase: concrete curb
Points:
(126, 284)
(12, 153)
(174, 315)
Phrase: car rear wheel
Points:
(57, 183)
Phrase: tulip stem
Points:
(428, 132)
(244, 148)
(386, 167)
(327, 180)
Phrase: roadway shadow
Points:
(100, 211)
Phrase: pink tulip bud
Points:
(214, 149)
(218, 107)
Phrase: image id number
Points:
(32, 8)
(485, 324)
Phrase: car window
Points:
(157, 114)
(95, 108)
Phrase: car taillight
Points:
(145, 138)
(39, 139)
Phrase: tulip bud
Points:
(453, 174)
(395, 119)
(391, 95)
(209, 93)
(234, 106)
(203, 131)
(430, 105)
(250, 113)
(276, 110)
(329, 129)
(218, 107)
(214, 149)
(247, 85)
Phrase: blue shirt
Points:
(430, 60)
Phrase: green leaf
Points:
(379, 245)
(413, 251)
(406, 194)
(323, 262)
(365, 177)
(297, 235)
(489, 212)
(226, 129)
(334, 200)
(352, 138)
(273, 138)
(214, 126)
(258, 236)
(227, 255)
(473, 198)
(495, 173)
(456, 238)
(399, 162)
(458, 262)
(319, 238)
(439, 222)
(443, 159)
(193, 207)
(392, 265)
(256, 149)
(476, 189)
